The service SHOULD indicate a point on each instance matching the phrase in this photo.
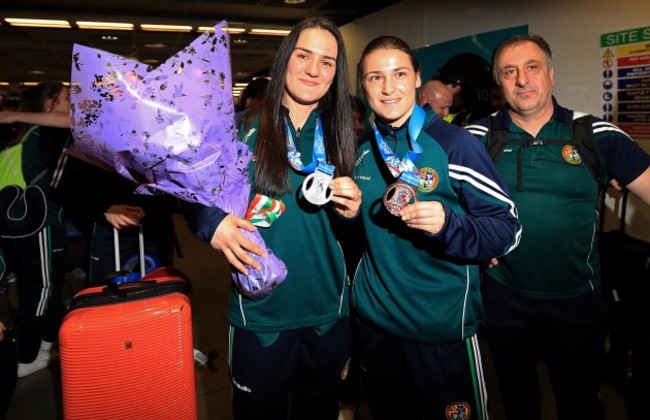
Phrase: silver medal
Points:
(316, 189)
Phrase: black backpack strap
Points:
(585, 142)
(582, 138)
(495, 140)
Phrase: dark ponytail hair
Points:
(33, 99)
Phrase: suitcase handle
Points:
(116, 249)
(126, 290)
(148, 282)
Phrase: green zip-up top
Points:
(43, 165)
(422, 287)
(315, 292)
(557, 202)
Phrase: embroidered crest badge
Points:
(458, 411)
(570, 154)
(428, 180)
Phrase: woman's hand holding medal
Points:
(428, 216)
(347, 196)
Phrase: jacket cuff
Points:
(202, 220)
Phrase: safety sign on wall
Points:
(625, 67)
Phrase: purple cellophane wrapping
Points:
(171, 129)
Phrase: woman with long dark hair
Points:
(294, 344)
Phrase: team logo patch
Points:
(428, 180)
(458, 411)
(571, 155)
(346, 369)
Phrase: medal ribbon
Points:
(318, 154)
(325, 168)
(263, 210)
(404, 169)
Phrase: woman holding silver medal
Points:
(294, 344)
(433, 207)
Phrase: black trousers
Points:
(568, 334)
(408, 380)
(300, 373)
(39, 262)
(8, 369)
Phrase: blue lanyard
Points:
(318, 154)
(405, 168)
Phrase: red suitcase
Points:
(126, 351)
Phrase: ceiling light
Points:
(151, 61)
(109, 38)
(36, 72)
(105, 25)
(154, 45)
(30, 83)
(274, 32)
(294, 1)
(38, 23)
(225, 29)
(234, 30)
(165, 28)
(239, 41)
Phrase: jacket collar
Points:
(386, 129)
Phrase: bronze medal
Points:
(398, 196)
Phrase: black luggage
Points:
(625, 265)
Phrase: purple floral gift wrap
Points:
(170, 129)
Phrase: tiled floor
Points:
(38, 396)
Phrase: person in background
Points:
(497, 99)
(437, 95)
(38, 260)
(433, 207)
(545, 298)
(97, 201)
(114, 204)
(9, 101)
(468, 76)
(289, 351)
(33, 212)
(250, 102)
